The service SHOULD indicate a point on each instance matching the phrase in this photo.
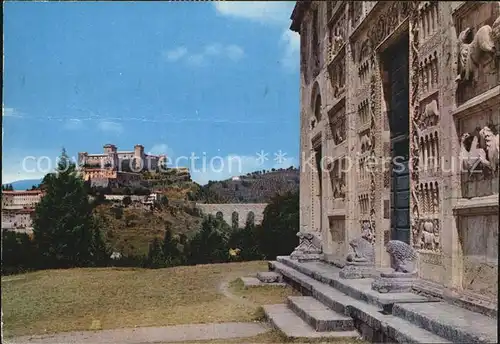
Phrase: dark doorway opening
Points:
(318, 156)
(396, 66)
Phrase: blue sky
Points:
(206, 78)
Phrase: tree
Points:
(127, 201)
(209, 245)
(155, 259)
(173, 256)
(18, 253)
(278, 231)
(63, 222)
(246, 240)
(164, 200)
(100, 252)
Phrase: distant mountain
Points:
(255, 187)
(26, 184)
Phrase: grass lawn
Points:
(81, 299)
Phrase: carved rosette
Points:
(415, 122)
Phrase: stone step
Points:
(252, 282)
(360, 289)
(269, 277)
(318, 316)
(370, 317)
(293, 327)
(457, 324)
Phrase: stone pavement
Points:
(142, 335)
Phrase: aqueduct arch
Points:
(243, 211)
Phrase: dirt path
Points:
(224, 289)
(141, 335)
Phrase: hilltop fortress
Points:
(113, 167)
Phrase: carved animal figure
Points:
(431, 113)
(495, 33)
(366, 142)
(428, 239)
(403, 256)
(474, 156)
(312, 122)
(470, 51)
(361, 250)
(492, 146)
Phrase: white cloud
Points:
(291, 42)
(73, 124)
(211, 51)
(175, 54)
(268, 13)
(110, 126)
(10, 112)
(276, 12)
(162, 148)
(234, 52)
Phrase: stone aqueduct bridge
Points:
(241, 211)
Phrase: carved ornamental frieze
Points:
(389, 20)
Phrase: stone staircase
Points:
(333, 307)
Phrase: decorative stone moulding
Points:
(404, 259)
(309, 248)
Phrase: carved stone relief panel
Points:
(337, 172)
(429, 20)
(363, 114)
(389, 20)
(479, 154)
(336, 73)
(337, 228)
(355, 12)
(336, 35)
(429, 74)
(337, 121)
(426, 228)
(362, 56)
(364, 205)
(478, 28)
(479, 239)
(426, 124)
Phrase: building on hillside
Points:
(21, 199)
(18, 209)
(115, 168)
(105, 177)
(416, 81)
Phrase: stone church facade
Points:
(400, 114)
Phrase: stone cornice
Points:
(298, 14)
